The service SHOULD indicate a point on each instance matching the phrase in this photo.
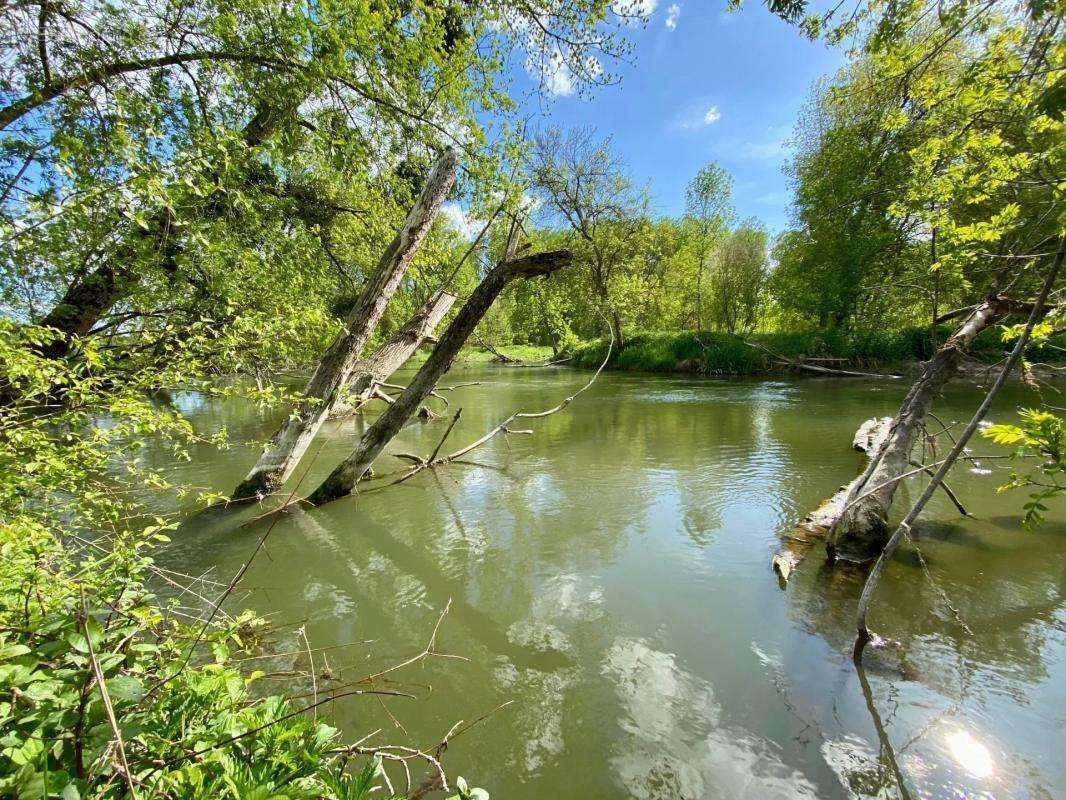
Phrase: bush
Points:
(726, 354)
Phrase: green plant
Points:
(1041, 435)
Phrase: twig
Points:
(314, 681)
(235, 580)
(99, 674)
(946, 489)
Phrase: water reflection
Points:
(678, 744)
(610, 576)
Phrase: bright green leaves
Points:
(1039, 437)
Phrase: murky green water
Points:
(610, 576)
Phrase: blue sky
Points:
(718, 85)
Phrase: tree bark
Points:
(392, 355)
(294, 436)
(861, 530)
(1037, 311)
(344, 478)
(868, 439)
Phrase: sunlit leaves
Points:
(1039, 437)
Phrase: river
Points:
(609, 574)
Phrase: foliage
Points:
(739, 276)
(75, 560)
(1040, 435)
(708, 213)
(725, 354)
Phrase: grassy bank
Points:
(726, 354)
(479, 355)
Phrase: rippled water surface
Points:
(609, 575)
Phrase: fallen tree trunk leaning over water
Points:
(343, 479)
(1037, 311)
(862, 528)
(369, 373)
(292, 439)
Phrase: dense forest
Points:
(208, 197)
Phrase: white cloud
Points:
(696, 116)
(635, 10)
(456, 216)
(672, 13)
(554, 74)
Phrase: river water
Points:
(609, 576)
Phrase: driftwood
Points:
(862, 528)
(335, 369)
(372, 371)
(817, 524)
(344, 478)
(1037, 310)
(802, 365)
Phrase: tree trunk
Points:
(294, 436)
(392, 355)
(616, 329)
(343, 479)
(868, 439)
(862, 528)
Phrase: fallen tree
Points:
(371, 372)
(868, 438)
(343, 479)
(861, 529)
(1036, 313)
(334, 371)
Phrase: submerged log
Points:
(344, 478)
(296, 433)
(868, 439)
(369, 373)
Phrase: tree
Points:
(584, 186)
(738, 278)
(708, 211)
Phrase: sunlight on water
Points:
(972, 756)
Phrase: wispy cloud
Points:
(774, 198)
(773, 146)
(696, 116)
(672, 13)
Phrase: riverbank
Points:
(727, 354)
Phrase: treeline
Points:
(918, 189)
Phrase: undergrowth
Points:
(106, 691)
